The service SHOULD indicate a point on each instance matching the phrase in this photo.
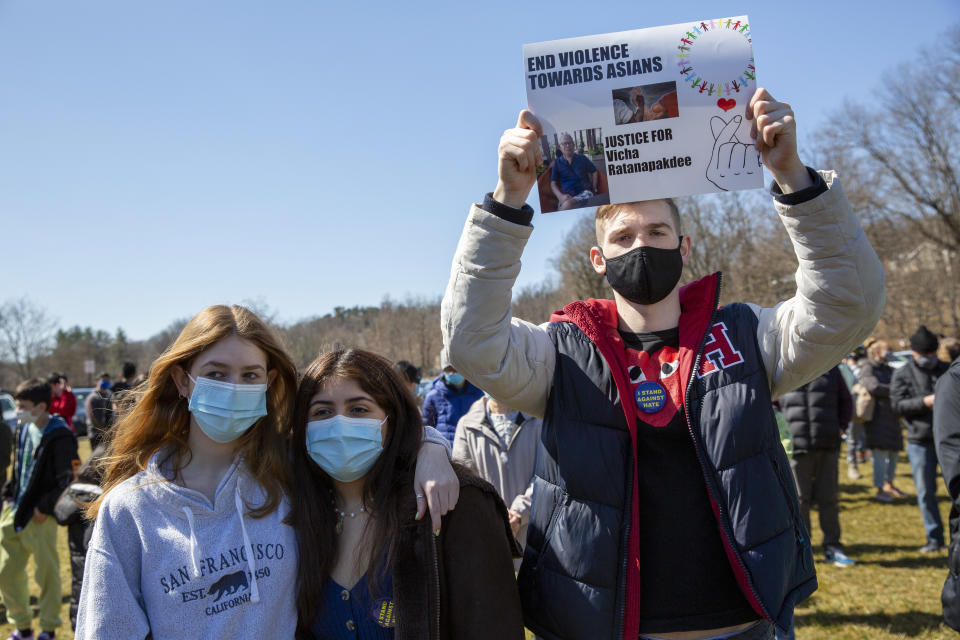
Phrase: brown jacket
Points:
(460, 585)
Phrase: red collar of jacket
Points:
(599, 321)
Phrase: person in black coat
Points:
(946, 436)
(817, 413)
(883, 433)
(912, 397)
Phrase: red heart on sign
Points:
(725, 104)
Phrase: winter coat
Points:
(54, 461)
(909, 385)
(6, 448)
(818, 412)
(508, 466)
(445, 405)
(579, 578)
(946, 434)
(459, 585)
(883, 431)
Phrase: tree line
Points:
(898, 158)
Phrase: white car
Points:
(9, 408)
(899, 358)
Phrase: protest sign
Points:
(644, 114)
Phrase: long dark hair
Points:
(387, 487)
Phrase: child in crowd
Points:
(46, 456)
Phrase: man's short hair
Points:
(104, 375)
(54, 378)
(129, 370)
(34, 390)
(607, 211)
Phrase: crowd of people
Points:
(627, 450)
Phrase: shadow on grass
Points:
(909, 623)
(855, 489)
(861, 548)
(916, 562)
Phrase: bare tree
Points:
(26, 334)
(578, 279)
(908, 142)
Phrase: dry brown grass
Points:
(892, 593)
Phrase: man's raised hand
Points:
(774, 131)
(519, 154)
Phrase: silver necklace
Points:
(341, 514)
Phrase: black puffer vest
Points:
(578, 580)
(813, 413)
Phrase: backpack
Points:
(863, 403)
(101, 410)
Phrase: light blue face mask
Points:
(224, 410)
(455, 379)
(346, 448)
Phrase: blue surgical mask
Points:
(453, 378)
(224, 410)
(346, 448)
(25, 417)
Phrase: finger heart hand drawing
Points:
(730, 159)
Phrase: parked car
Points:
(899, 358)
(9, 408)
(80, 417)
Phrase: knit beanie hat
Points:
(923, 341)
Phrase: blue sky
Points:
(157, 157)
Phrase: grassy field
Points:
(893, 591)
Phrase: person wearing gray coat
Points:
(499, 444)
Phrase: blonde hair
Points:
(874, 346)
(949, 349)
(157, 417)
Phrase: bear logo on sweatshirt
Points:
(228, 584)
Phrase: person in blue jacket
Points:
(448, 400)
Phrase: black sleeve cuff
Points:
(517, 216)
(797, 197)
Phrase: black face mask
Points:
(645, 275)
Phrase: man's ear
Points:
(596, 259)
(685, 248)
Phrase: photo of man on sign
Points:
(574, 172)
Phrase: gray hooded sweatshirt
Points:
(164, 561)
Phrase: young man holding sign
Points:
(663, 502)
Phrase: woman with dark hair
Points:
(190, 536)
(367, 568)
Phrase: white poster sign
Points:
(644, 114)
